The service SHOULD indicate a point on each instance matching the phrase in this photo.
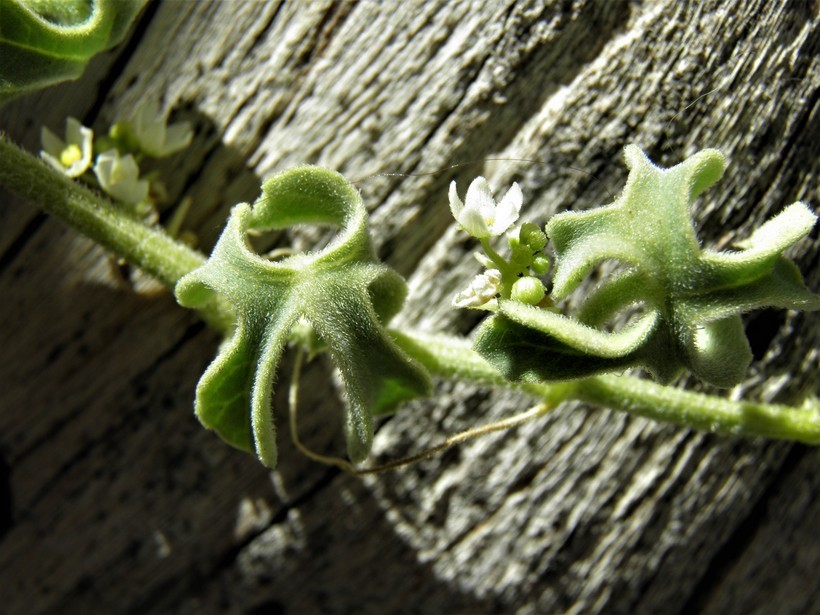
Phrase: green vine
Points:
(339, 300)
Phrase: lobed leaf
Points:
(342, 292)
(691, 298)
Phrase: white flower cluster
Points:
(117, 172)
(482, 217)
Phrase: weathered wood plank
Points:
(121, 503)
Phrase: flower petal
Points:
(52, 144)
(74, 131)
(178, 136)
(480, 198)
(82, 137)
(455, 203)
(153, 134)
(474, 223)
(507, 211)
(118, 177)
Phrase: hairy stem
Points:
(453, 358)
(149, 248)
(700, 411)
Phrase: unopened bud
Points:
(520, 254)
(528, 290)
(532, 236)
(540, 264)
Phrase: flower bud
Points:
(540, 264)
(528, 290)
(532, 236)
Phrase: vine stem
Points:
(705, 412)
(96, 217)
(453, 358)
(167, 260)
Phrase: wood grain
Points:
(115, 500)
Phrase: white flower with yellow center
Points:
(72, 156)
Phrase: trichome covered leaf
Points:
(691, 297)
(43, 42)
(341, 291)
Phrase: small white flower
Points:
(154, 136)
(481, 216)
(484, 287)
(118, 176)
(72, 156)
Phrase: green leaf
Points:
(690, 298)
(43, 42)
(522, 352)
(342, 292)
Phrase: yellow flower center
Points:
(70, 155)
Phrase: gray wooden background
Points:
(114, 500)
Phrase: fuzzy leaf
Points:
(43, 42)
(690, 297)
(342, 292)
